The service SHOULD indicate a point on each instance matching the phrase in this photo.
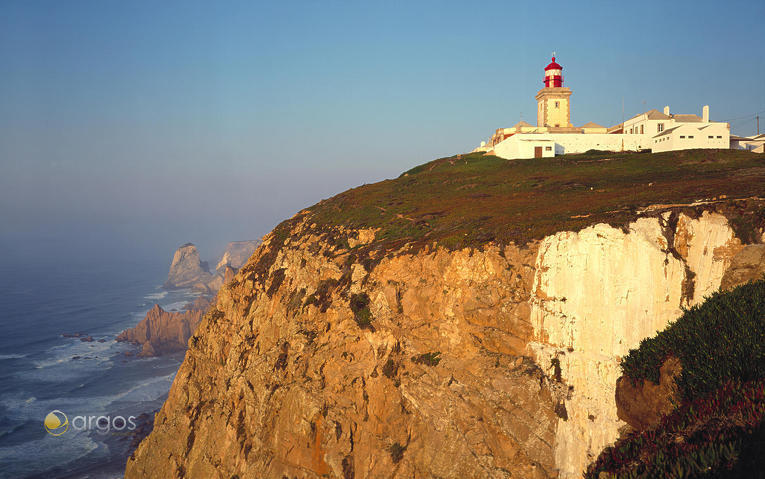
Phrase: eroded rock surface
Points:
(282, 379)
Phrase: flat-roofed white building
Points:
(686, 136)
(659, 131)
(750, 143)
(542, 145)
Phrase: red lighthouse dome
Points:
(553, 75)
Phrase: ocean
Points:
(42, 371)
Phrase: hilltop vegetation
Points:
(718, 430)
(472, 199)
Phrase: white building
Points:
(667, 132)
(542, 145)
(755, 143)
(554, 134)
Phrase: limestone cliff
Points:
(397, 337)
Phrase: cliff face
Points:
(162, 332)
(598, 292)
(281, 379)
(326, 358)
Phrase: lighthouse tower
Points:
(553, 107)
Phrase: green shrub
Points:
(428, 359)
(396, 452)
(390, 369)
(361, 313)
(721, 339)
(322, 297)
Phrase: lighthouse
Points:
(553, 106)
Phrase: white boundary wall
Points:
(522, 145)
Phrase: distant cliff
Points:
(236, 254)
(464, 320)
(187, 270)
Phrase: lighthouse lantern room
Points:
(553, 107)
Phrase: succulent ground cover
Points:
(718, 430)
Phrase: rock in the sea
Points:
(162, 332)
(188, 271)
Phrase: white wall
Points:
(693, 135)
(522, 144)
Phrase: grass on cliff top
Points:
(471, 199)
(721, 339)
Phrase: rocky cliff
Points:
(187, 270)
(385, 333)
(162, 332)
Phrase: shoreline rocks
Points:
(162, 332)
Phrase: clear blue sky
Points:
(138, 126)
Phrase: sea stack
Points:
(188, 271)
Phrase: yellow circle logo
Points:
(56, 423)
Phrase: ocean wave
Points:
(178, 305)
(12, 356)
(38, 456)
(156, 296)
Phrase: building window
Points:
(682, 136)
(690, 136)
(557, 125)
(557, 104)
(710, 136)
(641, 129)
(548, 148)
(718, 136)
(659, 127)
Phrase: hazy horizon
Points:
(131, 128)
